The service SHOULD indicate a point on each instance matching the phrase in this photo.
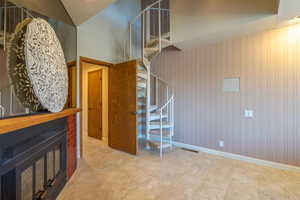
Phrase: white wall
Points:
(103, 36)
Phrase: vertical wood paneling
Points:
(268, 66)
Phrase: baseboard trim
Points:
(239, 157)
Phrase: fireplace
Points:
(33, 162)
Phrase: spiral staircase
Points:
(149, 34)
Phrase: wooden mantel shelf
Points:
(17, 123)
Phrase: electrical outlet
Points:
(249, 113)
(221, 143)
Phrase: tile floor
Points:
(106, 174)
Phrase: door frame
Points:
(83, 60)
(71, 65)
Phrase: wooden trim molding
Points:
(71, 64)
(261, 162)
(90, 61)
(95, 62)
(17, 123)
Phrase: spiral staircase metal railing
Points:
(149, 34)
(13, 14)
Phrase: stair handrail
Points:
(169, 105)
(145, 9)
(159, 78)
(166, 104)
(169, 90)
(142, 16)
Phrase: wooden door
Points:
(122, 107)
(95, 104)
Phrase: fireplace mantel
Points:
(17, 123)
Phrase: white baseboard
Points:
(239, 157)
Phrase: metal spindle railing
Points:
(152, 22)
(170, 120)
(13, 14)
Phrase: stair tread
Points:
(156, 116)
(141, 91)
(157, 144)
(141, 80)
(152, 49)
(140, 103)
(153, 108)
(146, 62)
(164, 35)
(150, 52)
(141, 67)
(140, 95)
(157, 132)
(153, 117)
(141, 85)
(156, 125)
(154, 43)
(141, 112)
(142, 75)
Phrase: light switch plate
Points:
(221, 143)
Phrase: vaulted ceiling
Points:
(50, 8)
(197, 22)
(193, 22)
(82, 10)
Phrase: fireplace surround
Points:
(33, 161)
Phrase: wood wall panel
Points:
(71, 146)
(268, 65)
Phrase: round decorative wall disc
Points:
(46, 65)
(17, 68)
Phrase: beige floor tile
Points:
(106, 174)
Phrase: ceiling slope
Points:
(288, 9)
(50, 8)
(82, 10)
(195, 22)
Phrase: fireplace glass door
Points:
(37, 179)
